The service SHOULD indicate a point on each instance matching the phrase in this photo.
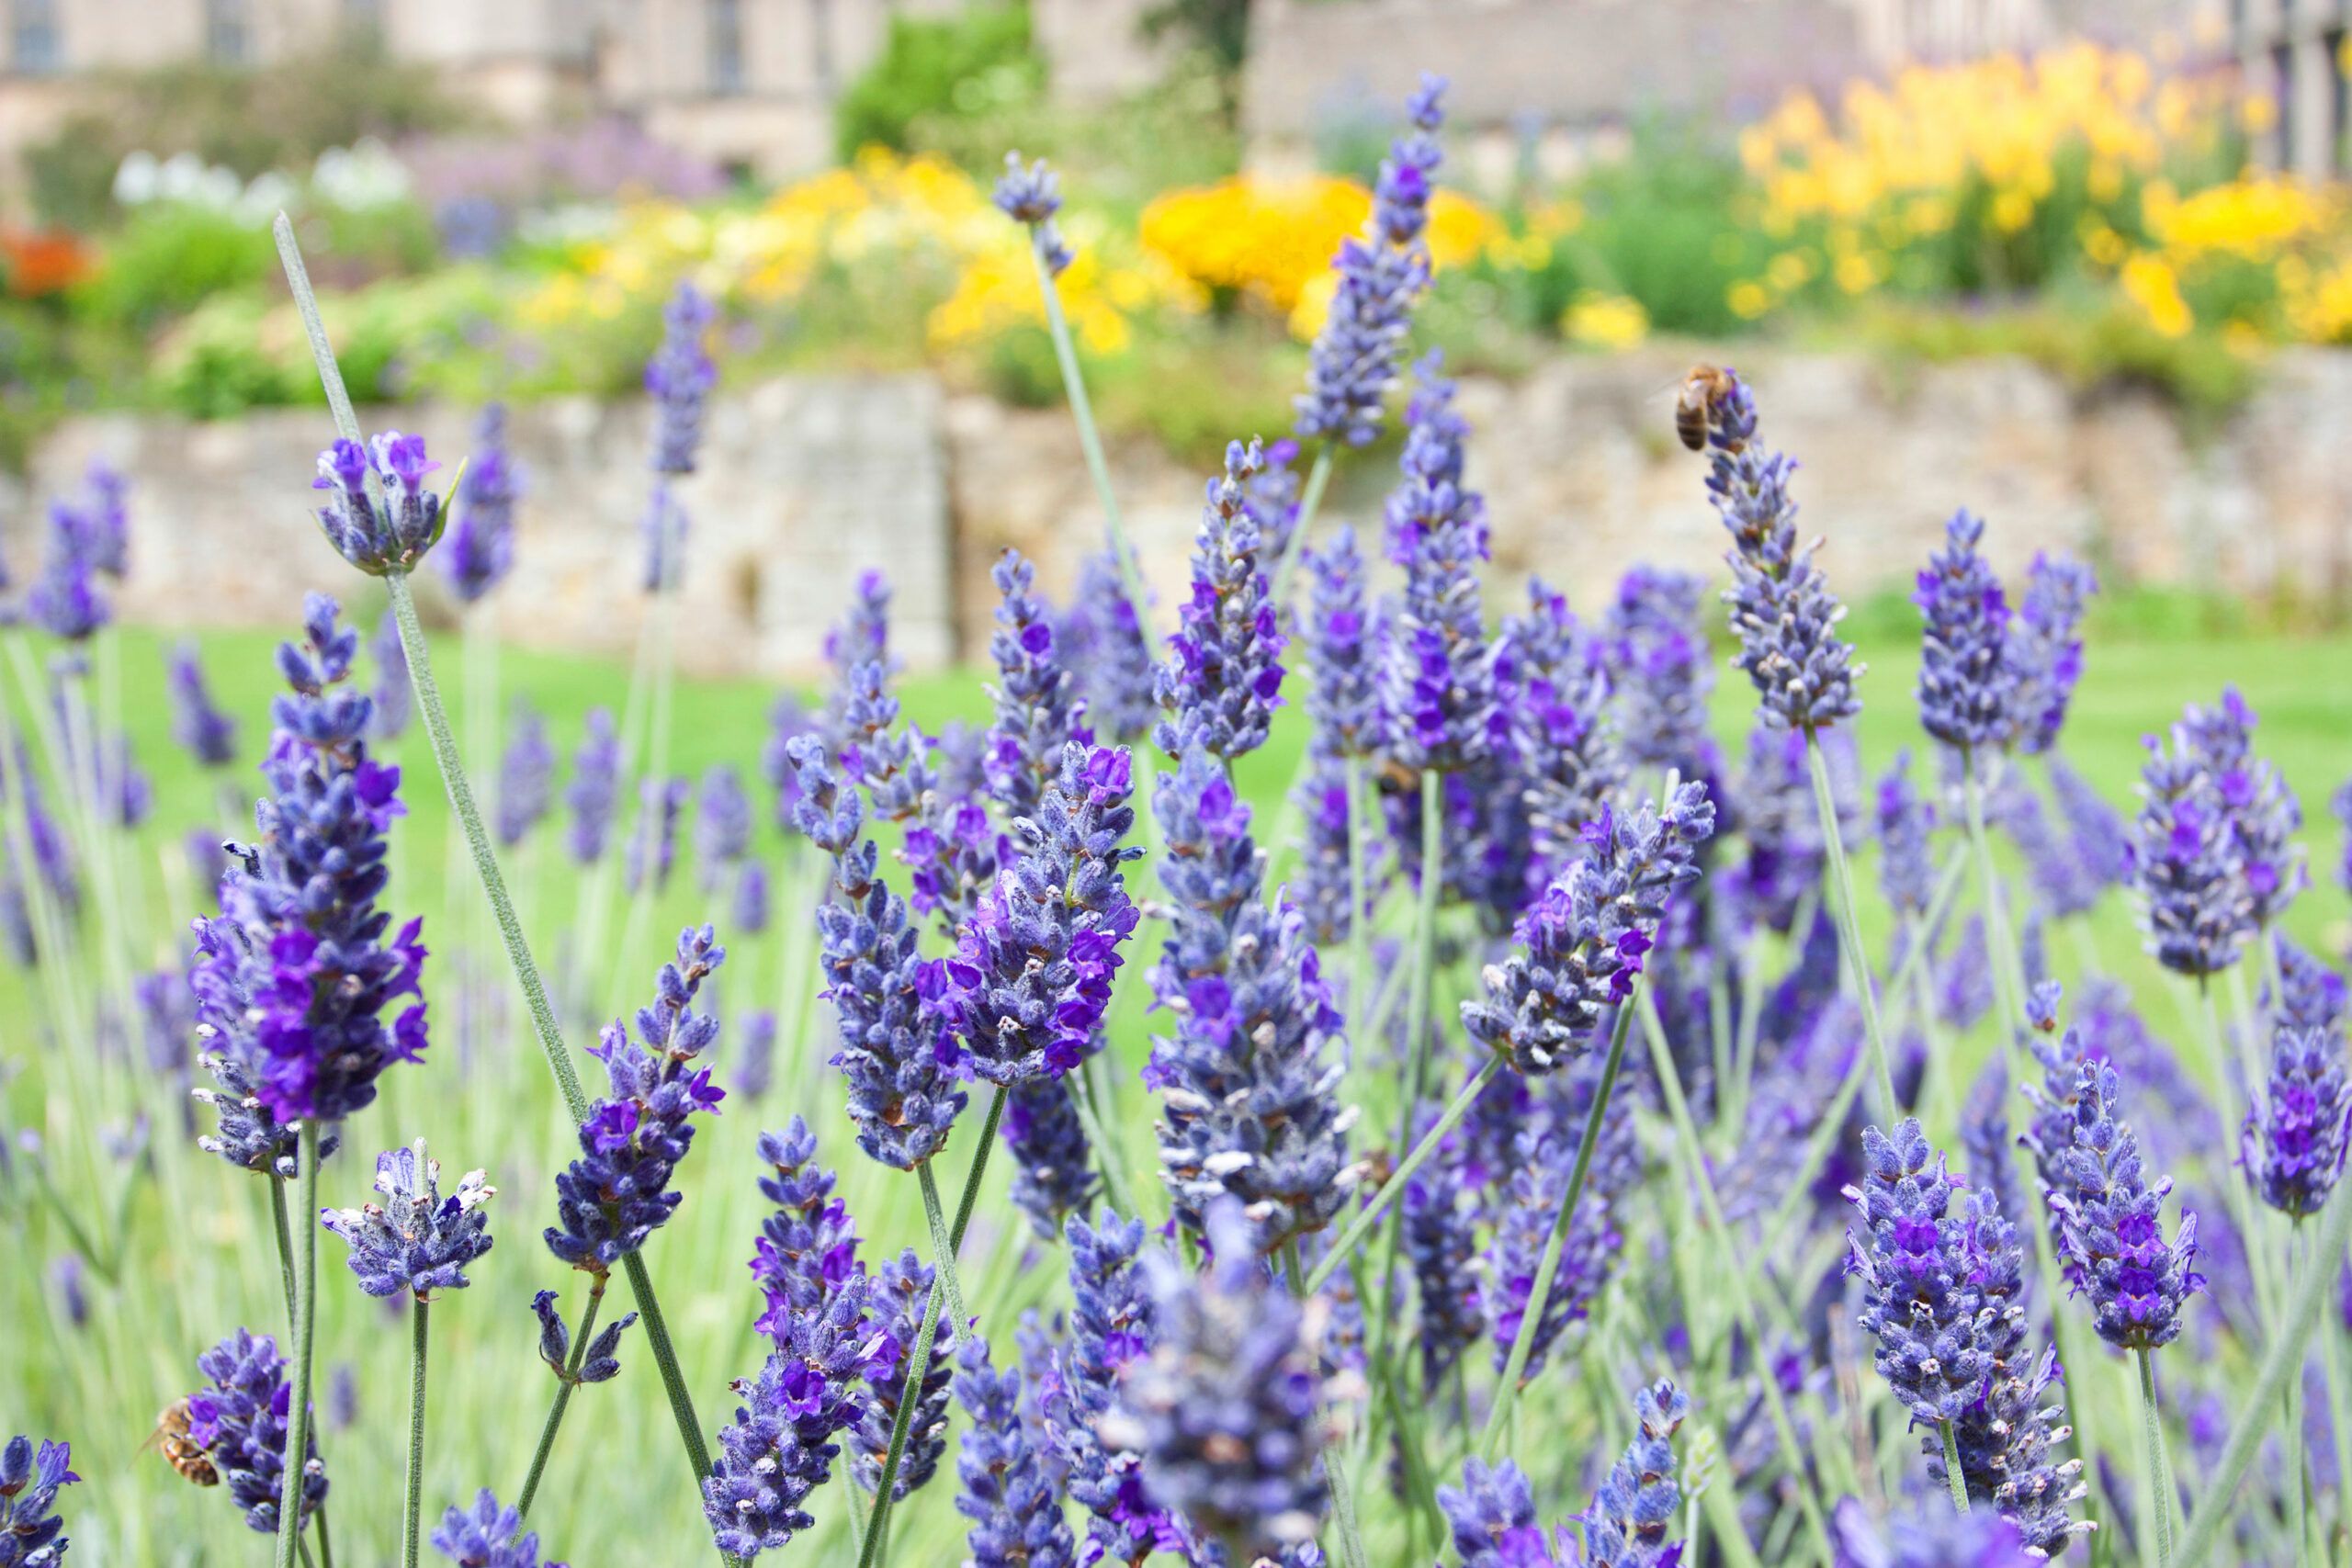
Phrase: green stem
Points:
(1359, 917)
(566, 1381)
(1090, 439)
(1098, 1132)
(1540, 1294)
(2339, 1391)
(421, 1317)
(919, 1360)
(1418, 1022)
(943, 1249)
(1850, 930)
(284, 1242)
(1310, 501)
(665, 1359)
(2298, 1508)
(2159, 1473)
(306, 1305)
(1369, 1215)
(1953, 1479)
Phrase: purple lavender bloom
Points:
(1114, 1325)
(780, 1446)
(2293, 1142)
(897, 1052)
(595, 787)
(2262, 812)
(1632, 1510)
(1492, 1516)
(386, 535)
(241, 1420)
(1016, 1517)
(1342, 694)
(249, 1136)
(1272, 496)
(31, 1534)
(1037, 712)
(1052, 1174)
(1560, 753)
(2340, 804)
(481, 551)
(2064, 882)
(679, 378)
(1031, 196)
(1964, 979)
(65, 1278)
(1966, 682)
(1658, 671)
(807, 1247)
(2100, 835)
(1325, 888)
(1930, 1534)
(861, 637)
(525, 776)
(106, 518)
(65, 601)
(898, 1294)
(757, 1070)
(653, 842)
(1584, 939)
(1102, 641)
(1537, 1186)
(616, 1193)
(209, 735)
(2194, 904)
(1225, 1409)
(486, 1535)
(722, 827)
(1030, 977)
(748, 911)
(1249, 1074)
(293, 977)
(787, 720)
(2112, 1218)
(392, 694)
(663, 528)
(2310, 996)
(1905, 822)
(1781, 609)
(1224, 674)
(1382, 273)
(1917, 1298)
(2042, 654)
(1441, 1236)
(1437, 679)
(415, 1240)
(600, 1362)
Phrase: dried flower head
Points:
(415, 1240)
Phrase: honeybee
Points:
(1695, 400)
(179, 1450)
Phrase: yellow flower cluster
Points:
(1271, 239)
(883, 216)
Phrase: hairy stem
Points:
(943, 1249)
(566, 1381)
(285, 1243)
(2159, 1473)
(1849, 928)
(306, 1306)
(412, 1513)
(1953, 1479)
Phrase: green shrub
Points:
(170, 258)
(1667, 225)
(938, 68)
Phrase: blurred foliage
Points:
(939, 68)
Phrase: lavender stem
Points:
(2159, 1473)
(1369, 1215)
(1850, 930)
(1310, 501)
(1954, 1477)
(564, 1385)
(421, 1315)
(285, 1243)
(306, 1306)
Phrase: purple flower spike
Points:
(600, 1362)
(1930, 1534)
(525, 776)
(1031, 196)
(1112, 1327)
(293, 978)
(1031, 977)
(2044, 651)
(31, 1534)
(1053, 1172)
(415, 1240)
(2293, 1142)
(1438, 677)
(209, 735)
(1100, 640)
(1965, 680)
(653, 843)
(1382, 273)
(1634, 1510)
(1342, 696)
(1905, 822)
(486, 1535)
(1562, 753)
(898, 1294)
(722, 828)
(807, 1247)
(1536, 1187)
(2112, 1221)
(480, 550)
(679, 378)
(2195, 907)
(1037, 709)
(2262, 813)
(387, 528)
(1781, 609)
(1584, 939)
(595, 787)
(616, 1193)
(1659, 672)
(1911, 1256)
(394, 698)
(1224, 674)
(1016, 1517)
(241, 1421)
(1492, 1516)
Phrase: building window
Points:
(32, 36)
(228, 32)
(726, 46)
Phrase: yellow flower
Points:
(1858, 274)
(1748, 299)
(1605, 321)
(2150, 283)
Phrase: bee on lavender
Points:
(171, 1437)
(1695, 402)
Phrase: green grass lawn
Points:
(193, 1244)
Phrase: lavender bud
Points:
(1437, 681)
(486, 1535)
(1053, 1176)
(1658, 670)
(1634, 1510)
(209, 735)
(1031, 196)
(415, 1240)
(898, 1295)
(595, 787)
(1965, 680)
(241, 1420)
(2261, 811)
(1100, 640)
(722, 828)
(1036, 713)
(2194, 902)
(31, 1533)
(1342, 694)
(525, 776)
(386, 534)
(2043, 652)
(2111, 1218)
(2301, 1117)
(1016, 1517)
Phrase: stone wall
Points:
(807, 481)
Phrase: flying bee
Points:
(180, 1451)
(1695, 400)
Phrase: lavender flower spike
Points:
(1584, 938)
(415, 1240)
(1492, 1516)
(240, 1422)
(31, 1535)
(679, 378)
(1635, 1507)
(209, 735)
(1918, 1299)
(1113, 1326)
(1382, 273)
(2112, 1222)
(2263, 815)
(898, 1293)
(481, 551)
(600, 1362)
(1016, 1518)
(1437, 678)
(386, 535)
(2044, 651)
(1224, 675)
(525, 776)
(486, 1535)
(1037, 712)
(1781, 609)
(2194, 908)
(595, 787)
(1031, 196)
(616, 1194)
(293, 978)
(1343, 695)
(1965, 680)
(2302, 1122)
